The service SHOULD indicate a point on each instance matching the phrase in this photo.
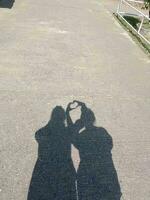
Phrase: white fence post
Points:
(140, 14)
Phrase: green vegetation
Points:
(134, 21)
(147, 5)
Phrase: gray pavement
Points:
(52, 52)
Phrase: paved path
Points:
(52, 52)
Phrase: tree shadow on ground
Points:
(6, 3)
(54, 176)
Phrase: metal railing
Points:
(139, 14)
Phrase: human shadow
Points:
(6, 3)
(54, 175)
(96, 176)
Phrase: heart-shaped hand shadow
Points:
(74, 105)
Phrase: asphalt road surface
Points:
(52, 52)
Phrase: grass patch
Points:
(135, 22)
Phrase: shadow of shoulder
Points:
(6, 3)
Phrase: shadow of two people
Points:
(6, 3)
(54, 176)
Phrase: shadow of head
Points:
(6, 3)
(58, 115)
(87, 117)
